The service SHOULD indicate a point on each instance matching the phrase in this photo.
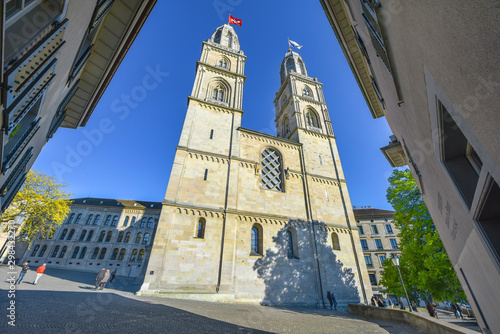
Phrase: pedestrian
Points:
(99, 278)
(389, 301)
(329, 297)
(39, 273)
(401, 306)
(384, 302)
(112, 276)
(430, 309)
(434, 305)
(334, 301)
(380, 303)
(105, 279)
(373, 301)
(414, 306)
(23, 272)
(459, 310)
(454, 309)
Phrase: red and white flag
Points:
(234, 20)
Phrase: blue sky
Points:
(134, 131)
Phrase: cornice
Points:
(213, 106)
(220, 70)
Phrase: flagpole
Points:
(289, 47)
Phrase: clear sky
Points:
(136, 126)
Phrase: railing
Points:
(14, 176)
(20, 145)
(79, 64)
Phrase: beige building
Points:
(115, 234)
(249, 217)
(58, 57)
(431, 68)
(379, 241)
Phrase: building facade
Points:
(434, 77)
(249, 217)
(57, 58)
(115, 234)
(379, 240)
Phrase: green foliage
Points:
(43, 202)
(426, 270)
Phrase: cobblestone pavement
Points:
(65, 302)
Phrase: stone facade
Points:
(249, 217)
(379, 241)
(115, 234)
(435, 78)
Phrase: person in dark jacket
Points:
(459, 310)
(99, 278)
(113, 275)
(105, 279)
(23, 272)
(430, 309)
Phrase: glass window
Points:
(96, 252)
(143, 222)
(373, 279)
(63, 252)
(271, 170)
(133, 255)
(256, 240)
(122, 254)
(89, 220)
(141, 255)
(125, 222)
(374, 229)
(103, 254)
(200, 233)
(91, 233)
(108, 221)
(55, 251)
(82, 254)
(307, 92)
(115, 254)
(71, 234)
(368, 261)
(378, 243)
(388, 228)
(312, 119)
(394, 244)
(101, 236)
(138, 238)
(42, 251)
(360, 228)
(82, 236)
(132, 224)
(70, 218)
(382, 259)
(37, 247)
(127, 237)
(63, 234)
(150, 223)
(364, 244)
(96, 220)
(289, 244)
(115, 221)
(77, 221)
(145, 240)
(218, 93)
(109, 236)
(120, 236)
(335, 241)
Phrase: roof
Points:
(123, 203)
(370, 212)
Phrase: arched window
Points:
(78, 218)
(35, 250)
(312, 119)
(75, 252)
(101, 236)
(307, 92)
(335, 241)
(271, 170)
(96, 220)
(115, 221)
(122, 254)
(89, 220)
(141, 255)
(120, 236)
(133, 255)
(256, 240)
(145, 240)
(63, 252)
(200, 229)
(71, 233)
(143, 222)
(223, 62)
(218, 93)
(301, 67)
(83, 252)
(151, 222)
(70, 218)
(132, 224)
(125, 222)
(108, 237)
(103, 254)
(229, 39)
(115, 254)
(127, 237)
(55, 251)
(42, 251)
(217, 36)
(291, 244)
(63, 234)
(108, 220)
(290, 65)
(91, 233)
(96, 252)
(138, 238)
(82, 236)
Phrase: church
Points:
(249, 217)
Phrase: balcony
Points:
(18, 142)
(15, 180)
(394, 153)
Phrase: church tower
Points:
(249, 217)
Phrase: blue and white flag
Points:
(292, 43)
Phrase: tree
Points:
(44, 204)
(425, 267)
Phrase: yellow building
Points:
(249, 217)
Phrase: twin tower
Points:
(249, 217)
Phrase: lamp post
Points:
(395, 261)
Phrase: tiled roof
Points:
(370, 212)
(116, 203)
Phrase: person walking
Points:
(23, 272)
(414, 306)
(384, 302)
(373, 301)
(113, 276)
(99, 278)
(333, 301)
(454, 309)
(389, 301)
(459, 310)
(105, 279)
(39, 273)
(401, 306)
(434, 306)
(430, 309)
(379, 302)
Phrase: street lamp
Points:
(395, 261)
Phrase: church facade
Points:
(249, 217)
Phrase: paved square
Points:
(65, 302)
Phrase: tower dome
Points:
(292, 63)
(226, 37)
